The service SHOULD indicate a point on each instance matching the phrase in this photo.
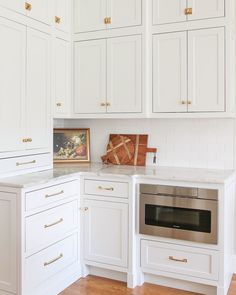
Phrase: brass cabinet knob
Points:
(189, 102)
(188, 11)
(107, 20)
(28, 6)
(57, 20)
(103, 104)
(29, 140)
(59, 104)
(108, 104)
(86, 209)
(183, 102)
(24, 139)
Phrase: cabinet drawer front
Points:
(50, 226)
(48, 195)
(50, 261)
(184, 260)
(106, 188)
(23, 163)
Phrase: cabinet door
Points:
(38, 89)
(8, 253)
(90, 77)
(106, 232)
(90, 15)
(62, 78)
(124, 74)
(40, 10)
(12, 86)
(170, 72)
(62, 15)
(206, 70)
(206, 9)
(168, 11)
(16, 5)
(124, 13)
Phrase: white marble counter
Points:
(61, 172)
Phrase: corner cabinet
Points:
(94, 15)
(188, 71)
(168, 11)
(108, 75)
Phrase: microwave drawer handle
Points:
(184, 260)
(106, 188)
(53, 195)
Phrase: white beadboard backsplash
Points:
(199, 143)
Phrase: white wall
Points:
(200, 143)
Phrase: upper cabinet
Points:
(62, 16)
(95, 15)
(169, 11)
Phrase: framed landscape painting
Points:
(71, 145)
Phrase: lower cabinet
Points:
(106, 232)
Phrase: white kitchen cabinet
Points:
(108, 76)
(8, 246)
(124, 74)
(62, 16)
(15, 5)
(168, 11)
(12, 87)
(94, 15)
(38, 90)
(189, 76)
(62, 77)
(206, 70)
(106, 232)
(170, 72)
(39, 10)
(90, 77)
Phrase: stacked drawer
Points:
(51, 231)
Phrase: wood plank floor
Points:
(92, 285)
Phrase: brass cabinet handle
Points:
(54, 223)
(27, 139)
(107, 20)
(25, 163)
(57, 19)
(59, 104)
(178, 260)
(53, 260)
(188, 11)
(56, 194)
(103, 104)
(28, 6)
(106, 188)
(183, 102)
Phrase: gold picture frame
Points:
(71, 145)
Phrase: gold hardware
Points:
(188, 11)
(28, 6)
(108, 104)
(29, 140)
(106, 188)
(56, 194)
(25, 163)
(183, 102)
(189, 102)
(107, 20)
(86, 209)
(53, 260)
(54, 223)
(57, 19)
(178, 260)
(59, 104)
(103, 104)
(25, 139)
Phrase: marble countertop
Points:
(60, 172)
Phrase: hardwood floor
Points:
(92, 285)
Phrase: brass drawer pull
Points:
(56, 194)
(25, 163)
(188, 11)
(53, 260)
(57, 20)
(178, 260)
(28, 6)
(106, 188)
(54, 223)
(27, 140)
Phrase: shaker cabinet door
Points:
(170, 72)
(124, 13)
(12, 86)
(38, 89)
(90, 77)
(168, 11)
(124, 74)
(106, 232)
(206, 70)
(90, 15)
(206, 9)
(62, 78)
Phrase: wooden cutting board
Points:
(133, 153)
